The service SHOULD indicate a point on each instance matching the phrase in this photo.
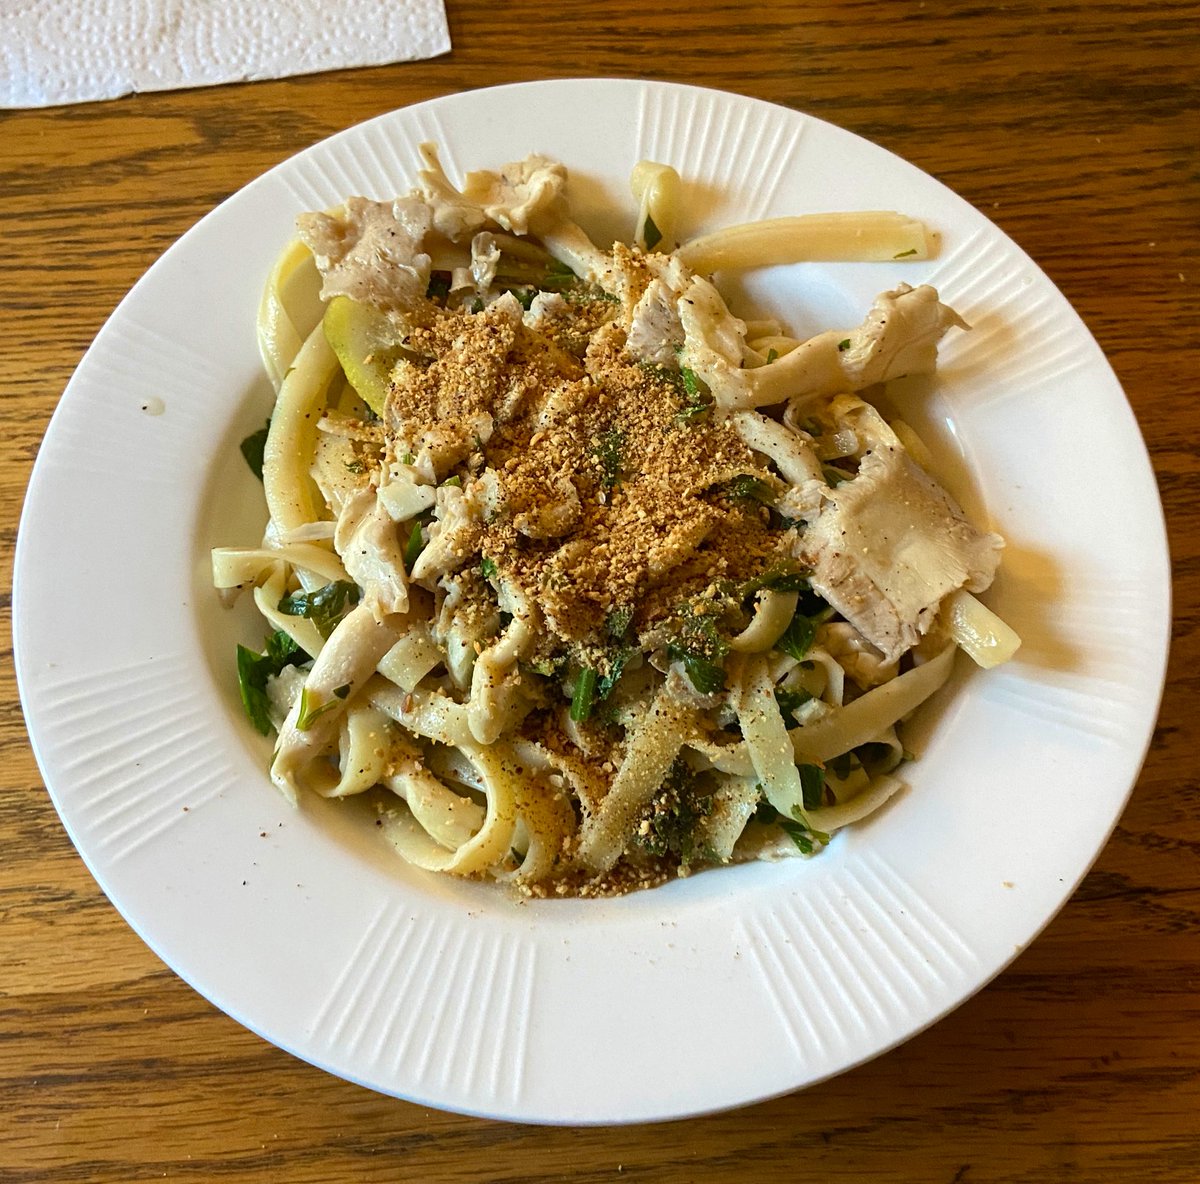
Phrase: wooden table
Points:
(1074, 126)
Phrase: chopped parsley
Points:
(616, 667)
(651, 233)
(308, 714)
(707, 676)
(843, 345)
(779, 577)
(548, 667)
(799, 832)
(415, 543)
(253, 447)
(905, 254)
(585, 694)
(558, 274)
(748, 488)
(811, 611)
(610, 453)
(324, 606)
(487, 568)
(617, 623)
(670, 819)
(797, 638)
(698, 396)
(801, 835)
(591, 687)
(790, 702)
(700, 648)
(255, 669)
(812, 785)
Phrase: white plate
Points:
(717, 990)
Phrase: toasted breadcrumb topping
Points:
(606, 495)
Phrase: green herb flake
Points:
(798, 637)
(696, 390)
(585, 694)
(610, 453)
(772, 354)
(802, 835)
(707, 676)
(617, 623)
(812, 785)
(323, 606)
(548, 667)
(253, 672)
(701, 649)
(253, 447)
(669, 822)
(748, 488)
(487, 568)
(779, 577)
(616, 667)
(308, 714)
(906, 254)
(414, 545)
(799, 832)
(651, 233)
(843, 345)
(255, 669)
(283, 651)
(790, 702)
(694, 413)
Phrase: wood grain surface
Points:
(1072, 125)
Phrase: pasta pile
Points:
(583, 580)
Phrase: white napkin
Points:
(70, 51)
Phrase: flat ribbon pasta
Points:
(496, 766)
(575, 574)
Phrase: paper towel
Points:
(69, 51)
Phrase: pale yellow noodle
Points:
(978, 630)
(870, 715)
(869, 236)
